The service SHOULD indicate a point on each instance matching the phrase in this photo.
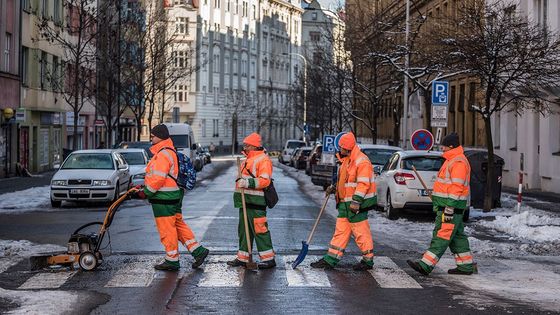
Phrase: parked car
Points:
(378, 154)
(314, 157)
(206, 155)
(300, 160)
(90, 175)
(137, 159)
(292, 160)
(288, 150)
(183, 140)
(203, 154)
(399, 188)
(137, 145)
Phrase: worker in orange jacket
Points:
(166, 197)
(450, 195)
(256, 175)
(355, 196)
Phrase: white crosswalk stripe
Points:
(133, 275)
(304, 275)
(218, 274)
(47, 280)
(389, 275)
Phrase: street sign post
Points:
(329, 149)
(440, 99)
(422, 140)
(439, 133)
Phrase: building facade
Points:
(9, 84)
(245, 67)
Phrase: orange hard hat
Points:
(253, 139)
(347, 141)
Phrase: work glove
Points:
(355, 206)
(139, 192)
(242, 183)
(447, 215)
(330, 190)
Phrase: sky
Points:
(329, 3)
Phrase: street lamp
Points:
(304, 92)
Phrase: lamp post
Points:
(304, 92)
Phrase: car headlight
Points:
(58, 183)
(101, 182)
(139, 176)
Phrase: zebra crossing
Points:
(138, 272)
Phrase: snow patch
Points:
(25, 200)
(11, 252)
(40, 302)
(528, 226)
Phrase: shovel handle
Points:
(245, 220)
(422, 182)
(318, 219)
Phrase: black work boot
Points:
(321, 264)
(416, 266)
(166, 266)
(200, 259)
(456, 271)
(236, 263)
(362, 266)
(267, 264)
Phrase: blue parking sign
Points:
(329, 144)
(440, 92)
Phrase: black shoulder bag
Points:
(270, 195)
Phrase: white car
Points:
(137, 159)
(399, 188)
(378, 154)
(289, 148)
(90, 175)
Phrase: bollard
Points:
(519, 190)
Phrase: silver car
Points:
(398, 187)
(90, 175)
(137, 159)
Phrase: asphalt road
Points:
(126, 283)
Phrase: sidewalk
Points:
(537, 199)
(12, 184)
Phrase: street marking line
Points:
(304, 275)
(390, 276)
(133, 275)
(218, 274)
(47, 280)
(444, 264)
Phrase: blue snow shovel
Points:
(305, 244)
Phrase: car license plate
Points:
(79, 191)
(424, 192)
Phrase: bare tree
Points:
(75, 36)
(514, 58)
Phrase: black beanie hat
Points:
(451, 140)
(161, 131)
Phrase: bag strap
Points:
(178, 168)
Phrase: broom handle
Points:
(247, 236)
(422, 182)
(318, 219)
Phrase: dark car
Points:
(300, 160)
(314, 157)
(136, 145)
(293, 156)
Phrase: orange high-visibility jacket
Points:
(158, 184)
(260, 166)
(451, 188)
(356, 181)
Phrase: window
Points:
(181, 58)
(461, 98)
(226, 64)
(181, 92)
(55, 75)
(217, 4)
(181, 25)
(452, 102)
(252, 69)
(176, 115)
(45, 8)
(472, 96)
(236, 6)
(226, 128)
(216, 63)
(216, 95)
(26, 5)
(56, 13)
(254, 12)
(215, 128)
(25, 66)
(204, 61)
(43, 70)
(245, 8)
(315, 36)
(7, 52)
(228, 6)
(203, 127)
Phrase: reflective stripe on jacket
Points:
(260, 166)
(451, 188)
(356, 181)
(160, 186)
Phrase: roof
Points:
(414, 153)
(130, 150)
(95, 151)
(379, 146)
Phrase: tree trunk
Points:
(138, 128)
(75, 137)
(490, 177)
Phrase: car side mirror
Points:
(377, 170)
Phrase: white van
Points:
(183, 138)
(289, 148)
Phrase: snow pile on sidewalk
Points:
(527, 226)
(30, 199)
(40, 302)
(11, 252)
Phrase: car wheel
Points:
(56, 203)
(466, 215)
(390, 212)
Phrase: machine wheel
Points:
(87, 261)
(56, 203)
(390, 212)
